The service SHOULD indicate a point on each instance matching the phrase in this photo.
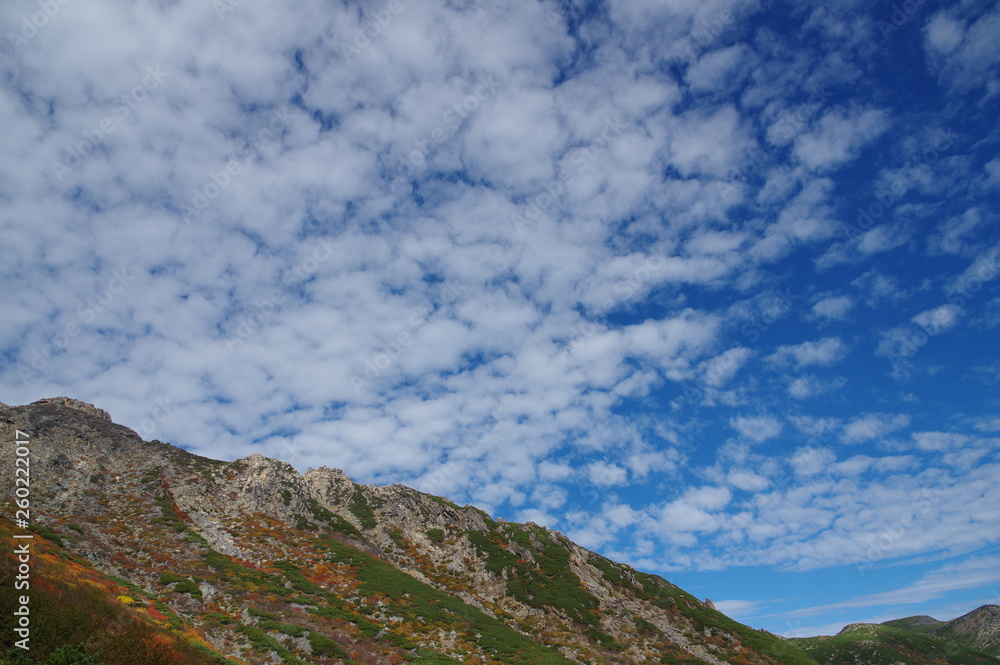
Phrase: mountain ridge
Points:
(213, 540)
(259, 563)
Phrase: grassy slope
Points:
(919, 624)
(884, 645)
(72, 604)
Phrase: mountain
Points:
(181, 558)
(979, 629)
(918, 624)
(969, 640)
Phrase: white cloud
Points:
(722, 368)
(834, 308)
(839, 135)
(804, 387)
(822, 352)
(810, 461)
(756, 428)
(978, 571)
(989, 424)
(494, 246)
(873, 426)
(746, 479)
(603, 474)
(938, 320)
(737, 609)
(961, 51)
(709, 144)
(719, 69)
(939, 440)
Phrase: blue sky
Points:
(709, 286)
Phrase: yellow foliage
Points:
(126, 600)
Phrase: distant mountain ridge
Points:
(971, 639)
(979, 629)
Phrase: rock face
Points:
(71, 403)
(270, 565)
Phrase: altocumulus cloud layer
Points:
(705, 285)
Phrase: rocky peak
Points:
(76, 404)
(330, 486)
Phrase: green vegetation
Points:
(170, 578)
(922, 624)
(182, 584)
(169, 517)
(78, 623)
(298, 580)
(336, 610)
(150, 476)
(423, 606)
(48, 534)
(336, 522)
(264, 642)
(549, 582)
(877, 644)
(397, 537)
(304, 524)
(286, 628)
(359, 506)
(64, 655)
(249, 579)
(612, 572)
(188, 587)
(669, 597)
(221, 562)
(442, 501)
(435, 535)
(323, 646)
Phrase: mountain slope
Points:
(979, 629)
(880, 644)
(73, 604)
(269, 565)
(917, 624)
